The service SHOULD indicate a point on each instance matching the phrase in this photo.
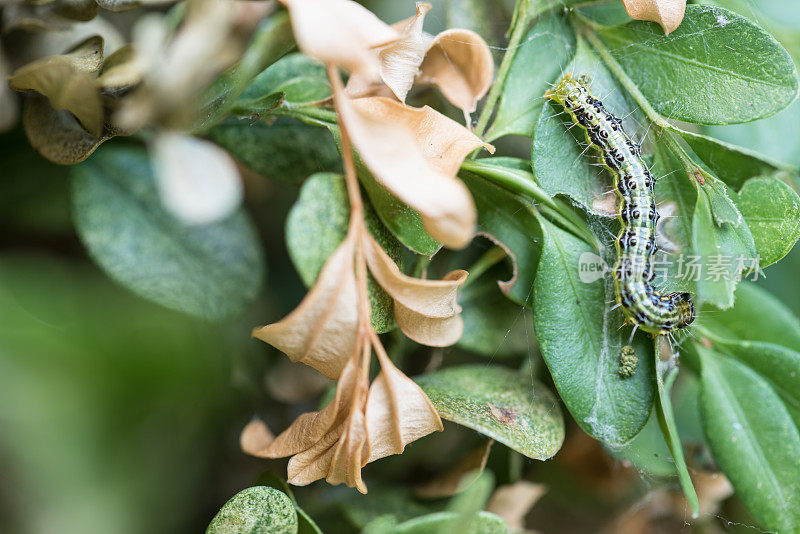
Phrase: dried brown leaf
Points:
(341, 32)
(400, 61)
(398, 411)
(430, 298)
(459, 477)
(415, 153)
(255, 437)
(514, 501)
(667, 13)
(434, 332)
(321, 331)
(460, 64)
(68, 83)
(331, 443)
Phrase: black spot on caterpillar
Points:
(641, 304)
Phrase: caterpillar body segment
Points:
(642, 305)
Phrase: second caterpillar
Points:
(642, 305)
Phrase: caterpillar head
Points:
(569, 90)
(684, 308)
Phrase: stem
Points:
(309, 114)
(357, 227)
(508, 58)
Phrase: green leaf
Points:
(509, 219)
(212, 271)
(647, 451)
(256, 510)
(547, 47)
(317, 225)
(607, 13)
(753, 439)
(271, 40)
(723, 250)
(500, 403)
(757, 316)
(284, 150)
(777, 137)
(772, 211)
(299, 79)
(581, 340)
(732, 164)
(560, 162)
(716, 68)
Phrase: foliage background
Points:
(119, 415)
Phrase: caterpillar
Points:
(642, 305)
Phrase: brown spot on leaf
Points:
(502, 415)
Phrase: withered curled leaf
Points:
(459, 63)
(514, 501)
(341, 32)
(330, 443)
(321, 331)
(398, 411)
(667, 13)
(415, 153)
(400, 60)
(255, 437)
(431, 298)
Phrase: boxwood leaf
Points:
(300, 79)
(256, 510)
(723, 251)
(772, 211)
(753, 439)
(500, 403)
(716, 68)
(732, 164)
(285, 150)
(581, 340)
(211, 271)
(544, 51)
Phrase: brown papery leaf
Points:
(255, 438)
(398, 411)
(321, 331)
(330, 443)
(460, 64)
(415, 154)
(514, 501)
(341, 32)
(68, 82)
(459, 477)
(667, 13)
(400, 61)
(430, 331)
(431, 298)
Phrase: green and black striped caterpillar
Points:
(643, 306)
